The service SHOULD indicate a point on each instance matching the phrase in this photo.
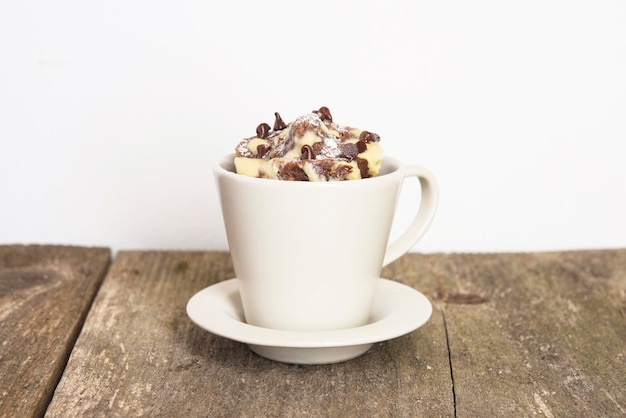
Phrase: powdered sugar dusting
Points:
(330, 151)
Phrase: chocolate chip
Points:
(350, 151)
(262, 130)
(261, 150)
(361, 146)
(367, 137)
(279, 124)
(325, 114)
(307, 153)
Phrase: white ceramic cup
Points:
(308, 255)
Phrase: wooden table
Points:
(537, 334)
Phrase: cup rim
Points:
(225, 167)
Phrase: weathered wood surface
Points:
(511, 335)
(45, 293)
(532, 334)
(140, 355)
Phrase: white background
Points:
(112, 113)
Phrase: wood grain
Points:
(45, 293)
(533, 334)
(538, 334)
(139, 355)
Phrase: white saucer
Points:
(397, 310)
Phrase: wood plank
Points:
(139, 354)
(534, 334)
(45, 293)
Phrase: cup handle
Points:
(423, 218)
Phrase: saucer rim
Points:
(404, 309)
